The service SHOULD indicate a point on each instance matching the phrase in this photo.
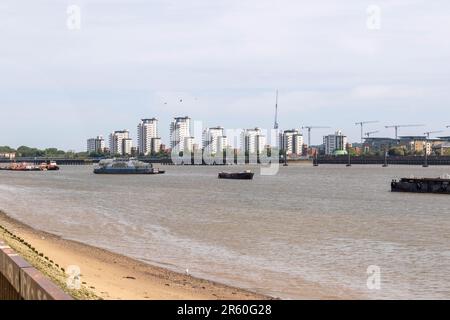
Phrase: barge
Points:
(22, 167)
(421, 185)
(125, 166)
(246, 175)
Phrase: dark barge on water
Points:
(421, 185)
(246, 175)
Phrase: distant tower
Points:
(275, 126)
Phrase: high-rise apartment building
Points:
(120, 142)
(214, 140)
(148, 136)
(156, 145)
(252, 140)
(334, 142)
(96, 145)
(291, 141)
(180, 129)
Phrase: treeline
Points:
(401, 151)
(25, 151)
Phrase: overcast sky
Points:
(225, 58)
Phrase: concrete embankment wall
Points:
(21, 281)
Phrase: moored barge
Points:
(421, 185)
(246, 175)
(22, 167)
(125, 166)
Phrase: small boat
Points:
(50, 166)
(125, 166)
(422, 185)
(246, 175)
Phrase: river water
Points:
(306, 227)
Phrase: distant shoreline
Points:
(113, 276)
(321, 160)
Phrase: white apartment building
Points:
(189, 144)
(251, 140)
(156, 145)
(127, 146)
(214, 140)
(120, 142)
(96, 145)
(291, 141)
(260, 143)
(147, 131)
(334, 142)
(222, 144)
(180, 129)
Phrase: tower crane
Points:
(397, 126)
(309, 132)
(368, 134)
(431, 132)
(425, 163)
(362, 123)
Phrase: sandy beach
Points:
(106, 275)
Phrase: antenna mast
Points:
(275, 126)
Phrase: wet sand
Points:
(106, 275)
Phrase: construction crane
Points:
(431, 132)
(275, 125)
(309, 132)
(425, 161)
(362, 123)
(368, 134)
(396, 126)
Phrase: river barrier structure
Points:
(380, 160)
(21, 281)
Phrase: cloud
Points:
(130, 56)
(388, 92)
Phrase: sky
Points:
(334, 63)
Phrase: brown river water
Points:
(305, 227)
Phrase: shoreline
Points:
(108, 275)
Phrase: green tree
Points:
(24, 151)
(352, 152)
(54, 152)
(6, 149)
(397, 151)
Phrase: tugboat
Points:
(50, 166)
(246, 175)
(125, 166)
(422, 185)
